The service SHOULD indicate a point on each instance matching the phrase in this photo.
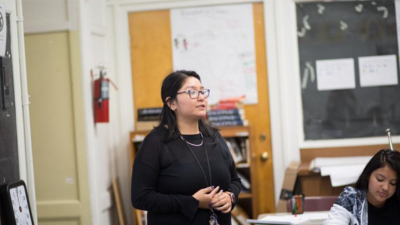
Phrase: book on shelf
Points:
(245, 182)
(146, 125)
(233, 222)
(239, 215)
(244, 149)
(141, 217)
(149, 118)
(149, 111)
(227, 105)
(226, 123)
(222, 112)
(235, 152)
(234, 99)
(247, 144)
(225, 118)
(149, 114)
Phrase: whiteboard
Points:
(218, 43)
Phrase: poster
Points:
(218, 43)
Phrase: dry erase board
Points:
(349, 68)
(9, 169)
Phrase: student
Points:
(376, 196)
(183, 172)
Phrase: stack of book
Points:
(239, 148)
(148, 118)
(227, 112)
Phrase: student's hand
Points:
(222, 202)
(204, 196)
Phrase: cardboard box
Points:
(288, 186)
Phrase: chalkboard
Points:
(347, 31)
(9, 169)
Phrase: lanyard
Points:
(213, 218)
(198, 162)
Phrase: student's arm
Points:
(339, 216)
(349, 202)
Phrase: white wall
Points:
(105, 41)
(283, 74)
(107, 144)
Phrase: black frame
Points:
(9, 216)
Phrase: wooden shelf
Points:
(245, 195)
(235, 131)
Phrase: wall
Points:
(56, 126)
(287, 128)
(283, 72)
(90, 151)
(108, 143)
(104, 40)
(121, 9)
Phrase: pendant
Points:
(213, 219)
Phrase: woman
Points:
(183, 172)
(376, 196)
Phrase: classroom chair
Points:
(315, 203)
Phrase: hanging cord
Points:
(198, 162)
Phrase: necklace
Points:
(195, 145)
(213, 218)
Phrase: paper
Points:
(218, 43)
(346, 177)
(342, 170)
(344, 174)
(378, 70)
(287, 218)
(3, 30)
(337, 161)
(335, 74)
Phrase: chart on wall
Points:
(349, 68)
(218, 43)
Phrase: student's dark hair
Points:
(385, 157)
(170, 86)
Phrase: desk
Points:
(315, 218)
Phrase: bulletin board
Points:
(218, 43)
(349, 68)
(8, 128)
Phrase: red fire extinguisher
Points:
(101, 99)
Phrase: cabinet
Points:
(239, 136)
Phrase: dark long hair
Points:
(384, 157)
(170, 86)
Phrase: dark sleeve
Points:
(146, 170)
(235, 186)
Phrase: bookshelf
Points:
(240, 134)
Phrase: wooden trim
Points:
(309, 154)
(118, 203)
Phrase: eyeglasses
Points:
(195, 93)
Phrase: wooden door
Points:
(151, 55)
